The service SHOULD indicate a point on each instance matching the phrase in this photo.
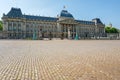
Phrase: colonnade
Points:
(69, 30)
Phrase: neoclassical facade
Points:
(20, 26)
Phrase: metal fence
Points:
(59, 35)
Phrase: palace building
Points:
(21, 26)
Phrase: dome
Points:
(65, 13)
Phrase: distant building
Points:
(18, 26)
(110, 25)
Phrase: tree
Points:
(1, 26)
(111, 30)
(114, 30)
(107, 29)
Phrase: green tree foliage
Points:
(107, 29)
(1, 26)
(111, 30)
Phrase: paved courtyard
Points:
(59, 60)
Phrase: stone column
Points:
(5, 28)
(23, 28)
(65, 31)
(69, 33)
(73, 30)
(58, 29)
(12, 28)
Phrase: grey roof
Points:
(15, 12)
(97, 20)
(30, 17)
(85, 22)
(65, 13)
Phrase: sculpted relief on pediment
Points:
(68, 21)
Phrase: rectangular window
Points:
(9, 28)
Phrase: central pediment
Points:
(68, 21)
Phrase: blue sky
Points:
(107, 10)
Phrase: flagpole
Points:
(15, 3)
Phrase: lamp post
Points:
(50, 35)
(34, 35)
(76, 37)
(40, 34)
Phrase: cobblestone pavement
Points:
(59, 60)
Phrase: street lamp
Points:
(34, 35)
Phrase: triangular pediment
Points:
(68, 21)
